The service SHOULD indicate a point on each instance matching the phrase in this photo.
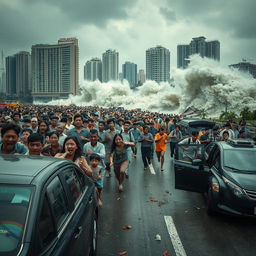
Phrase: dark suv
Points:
(226, 171)
(189, 125)
(47, 207)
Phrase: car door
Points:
(80, 192)
(191, 171)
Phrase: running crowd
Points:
(100, 139)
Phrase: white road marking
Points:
(151, 168)
(176, 242)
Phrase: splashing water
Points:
(204, 84)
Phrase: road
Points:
(151, 206)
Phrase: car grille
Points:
(251, 194)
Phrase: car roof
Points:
(20, 169)
(197, 122)
(227, 146)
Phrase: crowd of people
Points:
(99, 140)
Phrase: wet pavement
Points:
(151, 206)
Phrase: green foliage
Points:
(246, 113)
(224, 116)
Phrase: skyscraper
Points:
(2, 74)
(158, 64)
(110, 63)
(10, 75)
(213, 50)
(183, 55)
(23, 74)
(55, 69)
(130, 73)
(141, 77)
(93, 70)
(198, 45)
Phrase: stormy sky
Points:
(130, 26)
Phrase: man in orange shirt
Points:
(161, 139)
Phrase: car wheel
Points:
(210, 205)
(94, 236)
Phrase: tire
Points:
(94, 236)
(210, 205)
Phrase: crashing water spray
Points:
(204, 84)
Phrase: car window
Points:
(14, 203)
(72, 179)
(83, 179)
(46, 225)
(189, 152)
(243, 160)
(58, 201)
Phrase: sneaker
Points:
(162, 170)
(126, 176)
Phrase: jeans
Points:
(146, 155)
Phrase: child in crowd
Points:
(96, 175)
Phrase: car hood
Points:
(244, 180)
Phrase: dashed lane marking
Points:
(176, 242)
(151, 168)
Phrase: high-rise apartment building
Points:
(2, 74)
(55, 69)
(183, 55)
(158, 64)
(23, 74)
(10, 65)
(246, 67)
(141, 77)
(198, 45)
(110, 64)
(130, 73)
(93, 70)
(213, 50)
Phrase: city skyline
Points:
(130, 27)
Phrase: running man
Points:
(161, 139)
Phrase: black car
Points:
(189, 125)
(47, 207)
(225, 171)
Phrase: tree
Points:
(246, 113)
(224, 116)
(254, 115)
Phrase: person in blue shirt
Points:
(79, 131)
(136, 134)
(10, 136)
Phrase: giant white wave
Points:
(205, 84)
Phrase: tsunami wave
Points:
(205, 85)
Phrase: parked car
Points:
(189, 125)
(225, 171)
(47, 207)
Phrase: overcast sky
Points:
(130, 26)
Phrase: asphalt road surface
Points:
(153, 208)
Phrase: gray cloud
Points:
(95, 12)
(236, 17)
(168, 14)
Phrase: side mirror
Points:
(197, 162)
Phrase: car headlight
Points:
(236, 189)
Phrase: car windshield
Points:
(14, 202)
(240, 160)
